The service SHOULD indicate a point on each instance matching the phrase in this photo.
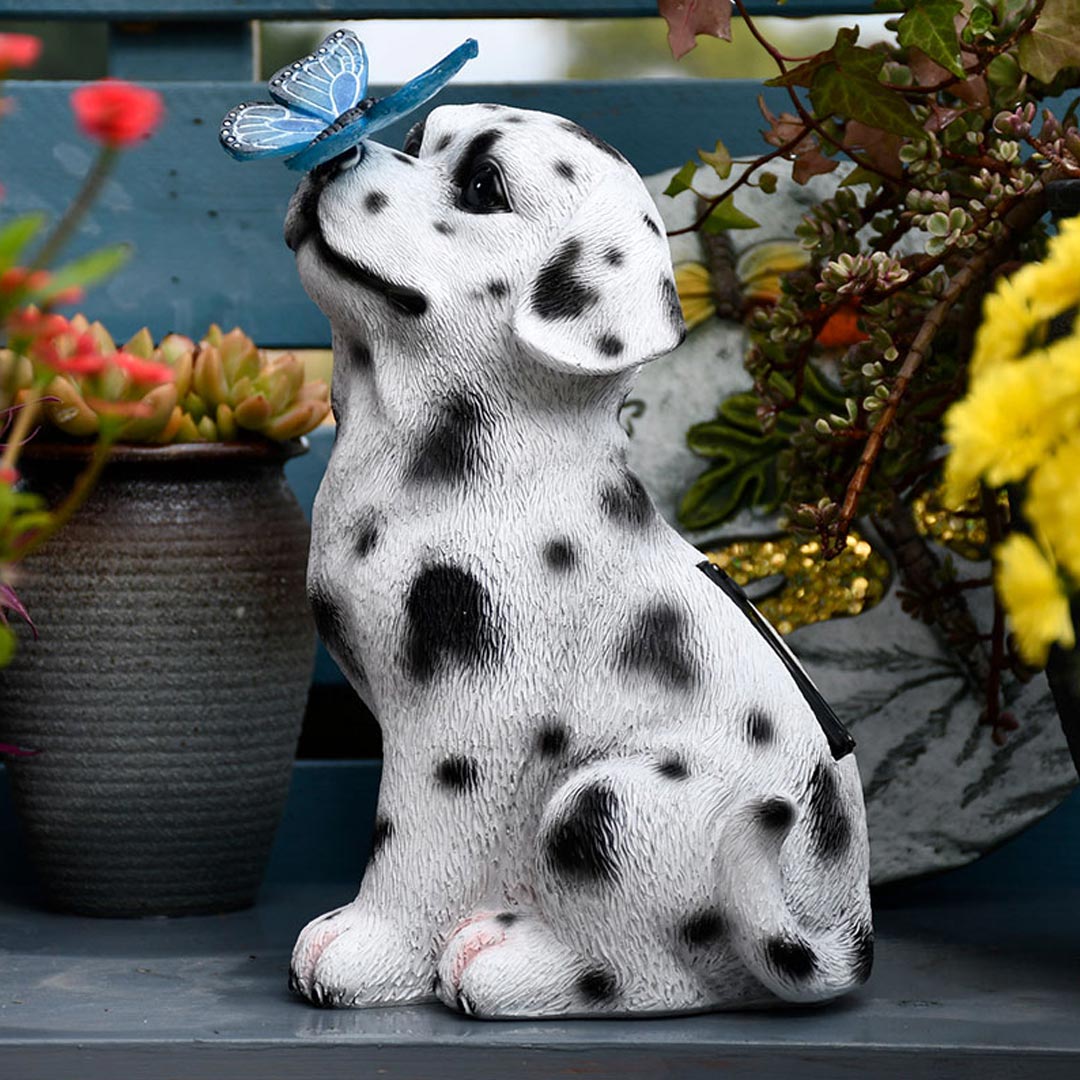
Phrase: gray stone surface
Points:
(987, 988)
(939, 792)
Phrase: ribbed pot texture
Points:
(168, 686)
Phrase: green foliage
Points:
(746, 472)
(930, 25)
(1054, 42)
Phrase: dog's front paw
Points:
(508, 965)
(352, 958)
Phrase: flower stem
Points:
(75, 498)
(88, 193)
(20, 429)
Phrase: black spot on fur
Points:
(558, 293)
(656, 645)
(759, 728)
(443, 227)
(830, 829)
(333, 628)
(703, 928)
(790, 958)
(614, 257)
(450, 620)
(490, 106)
(597, 986)
(589, 137)
(627, 502)
(458, 774)
(405, 159)
(672, 768)
(515, 119)
(367, 536)
(581, 847)
(552, 739)
(565, 170)
(863, 953)
(670, 296)
(652, 226)
(507, 918)
(775, 814)
(384, 830)
(375, 201)
(479, 147)
(450, 451)
(560, 555)
(359, 355)
(444, 142)
(609, 345)
(498, 289)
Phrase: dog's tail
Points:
(793, 962)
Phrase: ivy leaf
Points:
(859, 175)
(855, 97)
(726, 215)
(930, 25)
(16, 235)
(688, 18)
(682, 180)
(1053, 43)
(719, 159)
(982, 18)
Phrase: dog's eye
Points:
(484, 192)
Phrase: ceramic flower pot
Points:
(167, 689)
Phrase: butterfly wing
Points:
(260, 129)
(349, 130)
(327, 83)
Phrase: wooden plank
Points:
(152, 51)
(207, 231)
(385, 9)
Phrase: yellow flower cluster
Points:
(1020, 421)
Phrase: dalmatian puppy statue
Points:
(608, 788)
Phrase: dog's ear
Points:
(603, 298)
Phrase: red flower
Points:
(29, 322)
(116, 113)
(841, 328)
(18, 50)
(9, 476)
(143, 371)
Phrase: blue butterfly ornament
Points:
(320, 109)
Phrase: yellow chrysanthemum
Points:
(1053, 503)
(999, 432)
(761, 266)
(1033, 596)
(1008, 324)
(694, 287)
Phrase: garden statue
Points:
(608, 788)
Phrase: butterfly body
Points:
(320, 108)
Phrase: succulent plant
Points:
(224, 388)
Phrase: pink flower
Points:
(115, 112)
(18, 50)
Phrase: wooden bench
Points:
(975, 972)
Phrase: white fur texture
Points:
(602, 792)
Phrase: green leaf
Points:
(930, 26)
(838, 93)
(767, 182)
(727, 215)
(859, 175)
(683, 179)
(16, 235)
(982, 18)
(89, 269)
(7, 645)
(717, 495)
(1054, 42)
(719, 159)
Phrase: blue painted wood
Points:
(207, 230)
(152, 52)
(384, 9)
